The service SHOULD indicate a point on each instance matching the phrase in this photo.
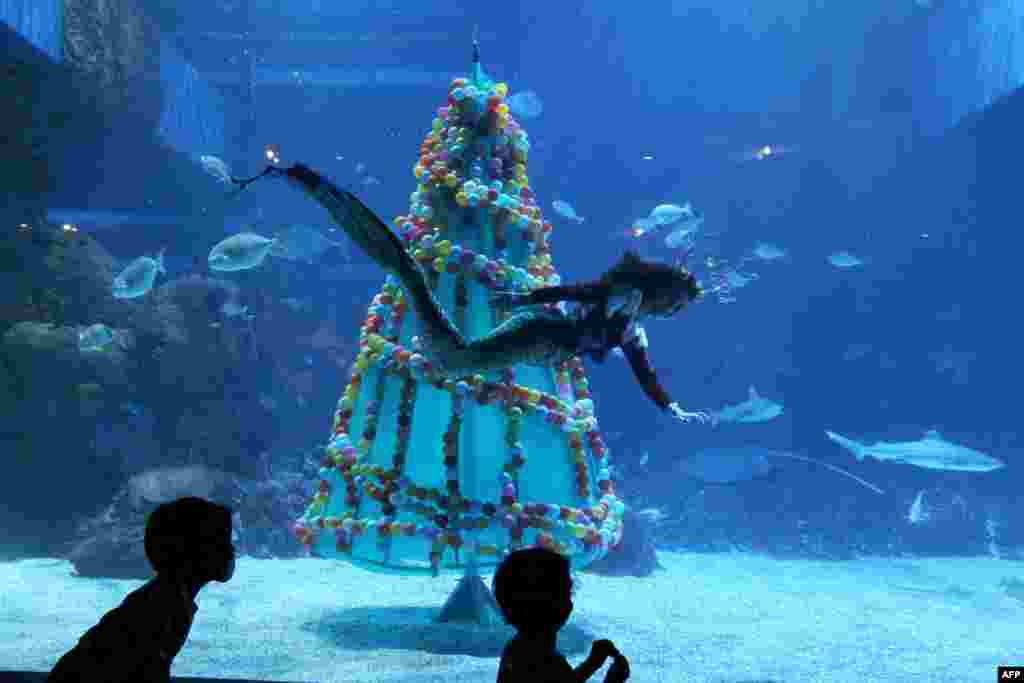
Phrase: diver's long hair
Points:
(656, 280)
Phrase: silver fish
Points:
(216, 167)
(931, 452)
(844, 259)
(233, 309)
(667, 214)
(138, 276)
(240, 252)
(565, 209)
(652, 515)
(766, 251)
(684, 232)
(95, 338)
(302, 243)
(918, 514)
(298, 305)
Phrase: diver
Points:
(606, 315)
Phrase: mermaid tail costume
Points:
(540, 336)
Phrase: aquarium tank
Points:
(462, 341)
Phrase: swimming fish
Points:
(918, 514)
(762, 152)
(526, 104)
(298, 305)
(129, 408)
(138, 276)
(667, 214)
(95, 338)
(664, 215)
(652, 515)
(754, 409)
(931, 452)
(737, 280)
(769, 252)
(565, 210)
(844, 259)
(240, 252)
(233, 309)
(731, 465)
(684, 232)
(216, 167)
(302, 243)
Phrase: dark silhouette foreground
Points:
(188, 543)
(533, 588)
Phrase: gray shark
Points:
(931, 452)
(755, 409)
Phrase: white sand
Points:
(736, 618)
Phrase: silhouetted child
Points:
(188, 543)
(533, 588)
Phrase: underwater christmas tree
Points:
(425, 472)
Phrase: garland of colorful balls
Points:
(473, 135)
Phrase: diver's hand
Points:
(684, 416)
(506, 299)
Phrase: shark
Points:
(755, 409)
(930, 452)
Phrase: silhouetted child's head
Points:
(190, 539)
(533, 588)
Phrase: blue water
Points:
(889, 132)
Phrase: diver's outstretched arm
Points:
(635, 351)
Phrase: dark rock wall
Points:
(115, 46)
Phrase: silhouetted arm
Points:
(635, 350)
(587, 668)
